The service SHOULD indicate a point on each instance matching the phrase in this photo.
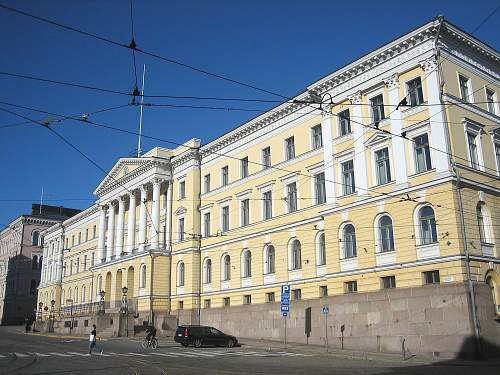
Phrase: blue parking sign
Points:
(285, 289)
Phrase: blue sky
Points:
(281, 46)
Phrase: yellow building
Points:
(375, 192)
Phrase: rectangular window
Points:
(270, 297)
(422, 153)
(72, 240)
(225, 218)
(464, 88)
(348, 184)
(473, 155)
(182, 189)
(92, 260)
(344, 123)
(268, 204)
(244, 167)
(206, 224)
(65, 268)
(497, 155)
(206, 180)
(247, 299)
(245, 212)
(266, 157)
(206, 304)
(377, 105)
(323, 291)
(431, 277)
(297, 294)
(85, 263)
(180, 305)
(224, 175)
(181, 229)
(490, 98)
(383, 167)
(388, 282)
(86, 234)
(79, 238)
(415, 94)
(289, 148)
(351, 286)
(317, 137)
(66, 243)
(291, 197)
(319, 188)
(226, 301)
(94, 231)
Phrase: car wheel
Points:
(197, 343)
(185, 344)
(230, 343)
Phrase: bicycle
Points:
(153, 343)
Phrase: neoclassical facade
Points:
(379, 181)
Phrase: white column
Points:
(398, 143)
(328, 151)
(110, 244)
(155, 215)
(168, 218)
(131, 223)
(102, 235)
(120, 227)
(437, 127)
(142, 218)
(60, 257)
(45, 260)
(360, 171)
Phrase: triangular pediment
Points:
(123, 168)
(376, 138)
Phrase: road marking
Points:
(139, 354)
(61, 354)
(80, 354)
(197, 354)
(182, 354)
(164, 354)
(2, 356)
(21, 355)
(122, 354)
(41, 355)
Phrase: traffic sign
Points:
(284, 313)
(285, 307)
(325, 309)
(285, 289)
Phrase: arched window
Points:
(63, 295)
(349, 241)
(83, 293)
(385, 234)
(226, 268)
(181, 269)
(34, 263)
(247, 263)
(69, 293)
(493, 281)
(321, 249)
(35, 237)
(143, 276)
(208, 271)
(270, 259)
(427, 225)
(76, 296)
(296, 255)
(484, 223)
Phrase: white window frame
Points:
(339, 160)
(418, 230)
(379, 147)
(143, 276)
(342, 241)
(291, 257)
(407, 91)
(222, 217)
(285, 148)
(495, 101)
(222, 184)
(476, 130)
(205, 183)
(470, 95)
(286, 181)
(181, 282)
(378, 239)
(263, 204)
(223, 268)
(264, 166)
(179, 234)
(496, 146)
(267, 270)
(318, 249)
(313, 145)
(203, 213)
(206, 279)
(372, 95)
(339, 125)
(182, 181)
(242, 175)
(246, 272)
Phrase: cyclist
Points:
(150, 334)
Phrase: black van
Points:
(203, 335)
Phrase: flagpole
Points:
(139, 151)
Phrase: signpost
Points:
(285, 303)
(325, 310)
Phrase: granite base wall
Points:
(433, 319)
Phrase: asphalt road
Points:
(38, 354)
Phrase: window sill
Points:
(428, 251)
(349, 264)
(348, 195)
(295, 274)
(488, 249)
(246, 281)
(321, 270)
(385, 258)
(270, 278)
(384, 184)
(418, 174)
(225, 284)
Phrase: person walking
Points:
(93, 339)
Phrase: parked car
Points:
(203, 335)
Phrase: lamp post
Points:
(102, 293)
(70, 302)
(125, 307)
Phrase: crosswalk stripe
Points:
(61, 354)
(121, 354)
(21, 355)
(196, 354)
(216, 353)
(139, 354)
(164, 354)
(182, 354)
(80, 354)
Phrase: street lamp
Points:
(125, 306)
(102, 293)
(70, 302)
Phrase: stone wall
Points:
(432, 319)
